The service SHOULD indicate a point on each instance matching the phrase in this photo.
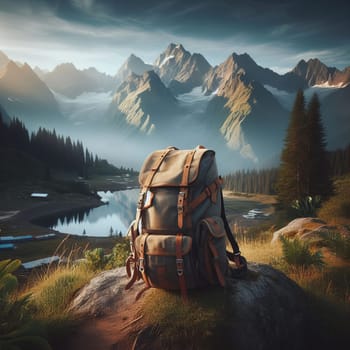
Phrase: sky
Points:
(276, 33)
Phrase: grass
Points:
(53, 291)
(201, 321)
(337, 209)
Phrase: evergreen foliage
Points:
(339, 161)
(54, 151)
(252, 181)
(292, 174)
(304, 169)
(318, 171)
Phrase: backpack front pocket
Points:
(164, 260)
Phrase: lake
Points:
(112, 218)
(115, 216)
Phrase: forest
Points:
(306, 167)
(44, 151)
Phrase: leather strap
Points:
(132, 259)
(210, 191)
(183, 193)
(229, 233)
(142, 263)
(180, 267)
(135, 276)
(156, 167)
(147, 184)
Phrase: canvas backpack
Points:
(178, 238)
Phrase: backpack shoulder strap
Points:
(229, 234)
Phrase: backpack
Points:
(178, 237)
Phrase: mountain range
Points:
(237, 106)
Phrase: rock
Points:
(269, 310)
(303, 228)
(104, 294)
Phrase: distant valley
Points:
(238, 107)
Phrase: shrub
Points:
(17, 330)
(339, 244)
(120, 253)
(97, 260)
(307, 206)
(297, 253)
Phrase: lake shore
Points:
(19, 214)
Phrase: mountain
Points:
(179, 70)
(336, 118)
(24, 95)
(3, 60)
(316, 73)
(248, 116)
(239, 108)
(67, 80)
(142, 103)
(132, 65)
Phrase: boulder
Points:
(304, 228)
(105, 294)
(269, 312)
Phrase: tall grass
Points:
(53, 291)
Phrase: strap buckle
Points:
(141, 265)
(180, 202)
(141, 200)
(180, 267)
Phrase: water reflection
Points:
(111, 219)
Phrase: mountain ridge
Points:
(23, 94)
(235, 104)
(71, 82)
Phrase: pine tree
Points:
(318, 171)
(304, 169)
(292, 177)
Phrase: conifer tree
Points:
(304, 169)
(318, 172)
(292, 177)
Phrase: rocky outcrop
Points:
(268, 310)
(142, 103)
(24, 95)
(133, 65)
(302, 228)
(314, 72)
(180, 70)
(307, 228)
(247, 115)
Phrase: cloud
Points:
(274, 33)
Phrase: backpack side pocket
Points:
(213, 264)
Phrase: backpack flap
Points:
(162, 261)
(215, 226)
(171, 169)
